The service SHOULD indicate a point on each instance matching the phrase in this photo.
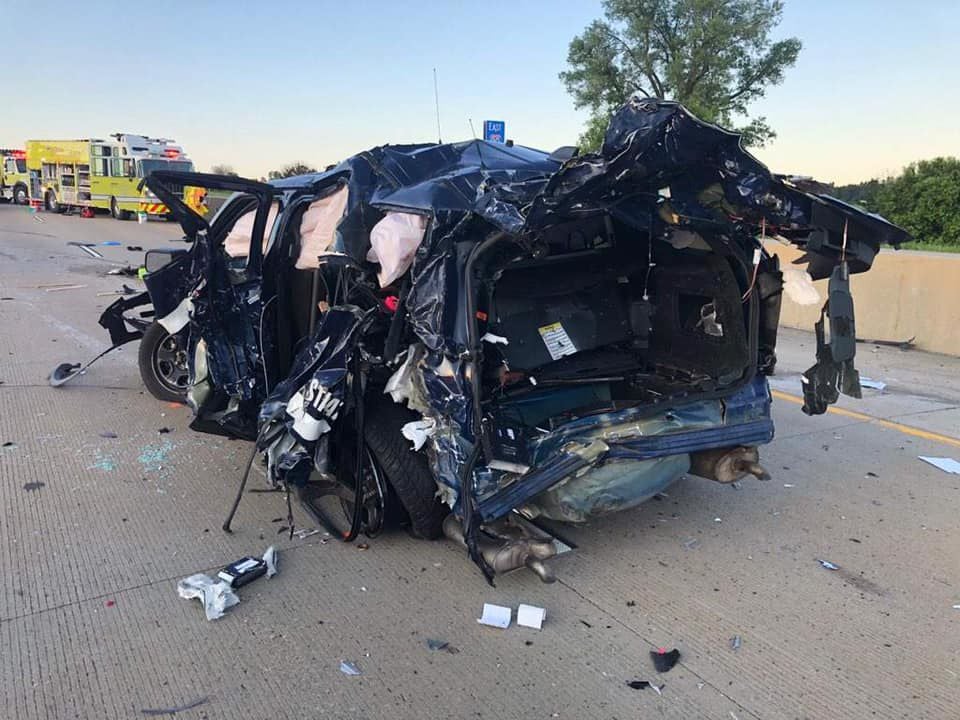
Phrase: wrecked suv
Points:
(469, 334)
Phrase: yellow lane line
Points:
(899, 427)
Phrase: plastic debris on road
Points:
(437, 645)
(271, 557)
(664, 660)
(828, 565)
(735, 642)
(644, 684)
(174, 710)
(531, 616)
(216, 595)
(948, 465)
(348, 668)
(495, 616)
(872, 384)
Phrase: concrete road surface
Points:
(97, 531)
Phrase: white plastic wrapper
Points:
(393, 243)
(216, 595)
(318, 228)
(418, 431)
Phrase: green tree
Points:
(714, 56)
(925, 201)
(296, 168)
(224, 170)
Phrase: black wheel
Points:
(115, 210)
(407, 472)
(20, 194)
(163, 364)
(50, 201)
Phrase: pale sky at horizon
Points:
(260, 86)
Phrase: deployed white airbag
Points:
(393, 242)
(237, 243)
(318, 227)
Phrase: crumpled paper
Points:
(216, 595)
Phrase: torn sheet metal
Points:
(308, 403)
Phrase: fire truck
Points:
(13, 176)
(101, 173)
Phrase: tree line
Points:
(924, 199)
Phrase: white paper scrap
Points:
(948, 465)
(530, 616)
(872, 384)
(270, 558)
(495, 616)
(215, 595)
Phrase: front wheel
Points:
(163, 364)
(116, 212)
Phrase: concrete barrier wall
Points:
(907, 293)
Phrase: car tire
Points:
(50, 202)
(115, 210)
(408, 472)
(20, 196)
(162, 363)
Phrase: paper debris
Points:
(828, 565)
(215, 595)
(872, 384)
(495, 616)
(270, 558)
(948, 465)
(530, 616)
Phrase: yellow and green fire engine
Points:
(13, 176)
(102, 174)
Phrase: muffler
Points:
(727, 465)
(506, 546)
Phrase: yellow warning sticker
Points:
(557, 341)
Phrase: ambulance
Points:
(101, 174)
(13, 176)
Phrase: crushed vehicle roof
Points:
(650, 145)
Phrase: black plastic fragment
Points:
(664, 660)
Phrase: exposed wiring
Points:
(263, 357)
(757, 255)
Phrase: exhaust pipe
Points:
(504, 554)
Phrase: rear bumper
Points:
(743, 419)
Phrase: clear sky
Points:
(260, 84)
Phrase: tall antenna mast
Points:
(436, 99)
